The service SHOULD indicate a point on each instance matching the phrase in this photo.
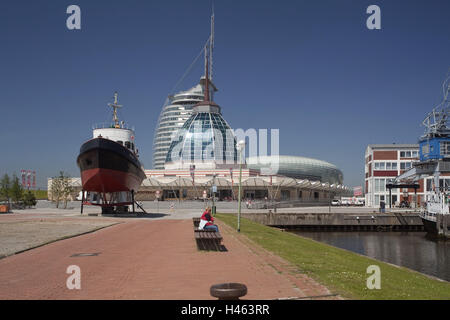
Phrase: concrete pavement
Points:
(148, 259)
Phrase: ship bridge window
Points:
(120, 142)
(128, 144)
(132, 146)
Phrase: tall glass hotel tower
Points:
(174, 114)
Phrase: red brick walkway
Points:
(144, 259)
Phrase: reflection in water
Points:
(410, 249)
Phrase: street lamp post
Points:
(214, 189)
(240, 146)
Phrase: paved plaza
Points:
(134, 258)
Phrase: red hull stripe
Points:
(107, 180)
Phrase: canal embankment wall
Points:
(340, 221)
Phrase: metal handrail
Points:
(106, 125)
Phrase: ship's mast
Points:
(115, 106)
(211, 44)
(206, 95)
(208, 60)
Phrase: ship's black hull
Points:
(107, 166)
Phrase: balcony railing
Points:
(106, 125)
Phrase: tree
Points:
(61, 189)
(29, 199)
(16, 190)
(55, 189)
(5, 188)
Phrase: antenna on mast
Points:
(211, 43)
(115, 106)
(206, 96)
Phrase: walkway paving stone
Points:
(145, 259)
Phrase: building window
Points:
(407, 154)
(391, 165)
(380, 185)
(428, 183)
(405, 165)
(285, 194)
(171, 194)
(444, 184)
(380, 165)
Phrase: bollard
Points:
(228, 291)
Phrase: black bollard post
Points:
(228, 291)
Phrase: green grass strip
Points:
(341, 271)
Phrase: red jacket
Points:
(207, 216)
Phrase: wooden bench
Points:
(196, 229)
(208, 240)
(196, 222)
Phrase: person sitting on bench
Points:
(207, 221)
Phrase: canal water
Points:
(410, 249)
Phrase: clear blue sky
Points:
(310, 68)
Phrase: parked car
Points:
(335, 202)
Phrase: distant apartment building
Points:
(384, 162)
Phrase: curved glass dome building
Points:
(299, 168)
(205, 140)
(174, 114)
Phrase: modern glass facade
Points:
(299, 168)
(173, 115)
(205, 138)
